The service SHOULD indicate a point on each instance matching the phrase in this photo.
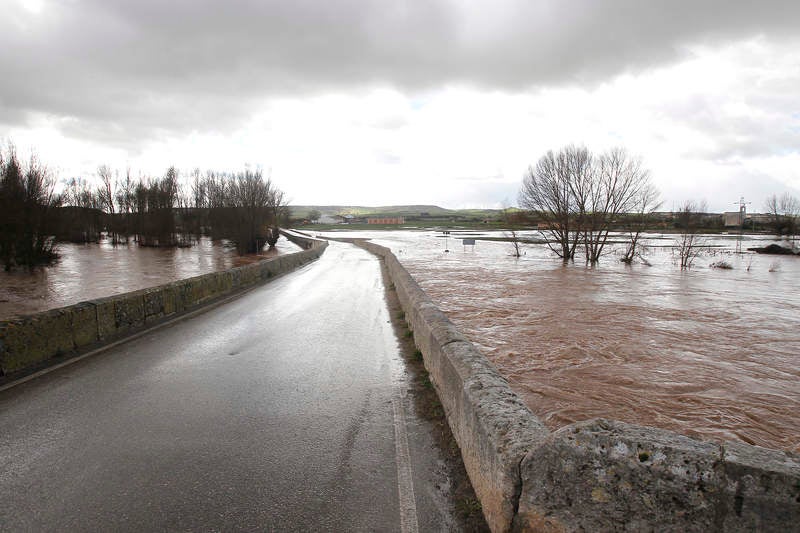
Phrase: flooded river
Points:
(712, 353)
(87, 271)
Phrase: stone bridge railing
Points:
(597, 475)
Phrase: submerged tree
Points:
(645, 204)
(511, 233)
(249, 197)
(27, 201)
(108, 200)
(81, 219)
(125, 198)
(246, 208)
(279, 214)
(579, 197)
(547, 189)
(689, 244)
(614, 188)
(157, 202)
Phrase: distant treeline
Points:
(781, 221)
(165, 211)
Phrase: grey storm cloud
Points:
(116, 69)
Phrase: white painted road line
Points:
(405, 480)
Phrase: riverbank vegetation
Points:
(245, 208)
(27, 206)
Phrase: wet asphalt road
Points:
(273, 412)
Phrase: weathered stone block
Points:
(129, 311)
(186, 294)
(225, 282)
(249, 276)
(84, 324)
(236, 278)
(55, 327)
(172, 301)
(153, 304)
(602, 475)
(268, 269)
(20, 346)
(106, 318)
(210, 286)
(194, 291)
(30, 340)
(761, 488)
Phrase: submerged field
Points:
(88, 271)
(712, 353)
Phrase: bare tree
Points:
(548, 190)
(511, 232)
(199, 190)
(107, 199)
(125, 198)
(579, 197)
(106, 192)
(249, 198)
(612, 188)
(279, 214)
(784, 211)
(645, 204)
(689, 244)
(155, 207)
(250, 212)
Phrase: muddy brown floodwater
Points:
(711, 353)
(89, 271)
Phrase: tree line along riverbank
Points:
(167, 211)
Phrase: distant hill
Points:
(408, 211)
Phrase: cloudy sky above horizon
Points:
(367, 102)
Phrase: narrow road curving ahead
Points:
(282, 410)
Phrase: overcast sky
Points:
(400, 101)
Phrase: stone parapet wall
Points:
(602, 475)
(30, 342)
(596, 475)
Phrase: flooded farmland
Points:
(87, 271)
(712, 353)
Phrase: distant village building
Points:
(732, 219)
(386, 220)
(330, 219)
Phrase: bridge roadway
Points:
(282, 410)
